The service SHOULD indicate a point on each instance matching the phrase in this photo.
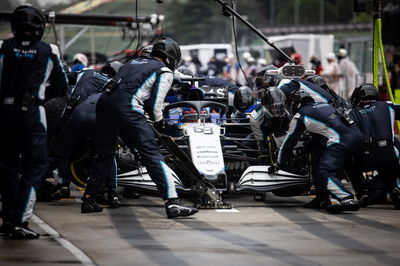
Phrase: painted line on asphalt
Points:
(227, 210)
(82, 257)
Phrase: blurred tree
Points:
(193, 22)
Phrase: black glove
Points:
(160, 125)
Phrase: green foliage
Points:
(362, 17)
(193, 21)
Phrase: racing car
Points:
(211, 156)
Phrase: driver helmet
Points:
(168, 51)
(365, 92)
(273, 102)
(26, 19)
(243, 98)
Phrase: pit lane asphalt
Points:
(275, 232)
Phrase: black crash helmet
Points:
(271, 80)
(365, 92)
(28, 19)
(273, 102)
(243, 99)
(111, 69)
(297, 98)
(168, 51)
(318, 80)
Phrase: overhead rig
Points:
(151, 22)
(94, 19)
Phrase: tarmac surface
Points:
(277, 231)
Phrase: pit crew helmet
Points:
(271, 80)
(273, 102)
(111, 69)
(365, 92)
(185, 70)
(146, 51)
(319, 81)
(259, 80)
(168, 51)
(243, 98)
(298, 98)
(28, 19)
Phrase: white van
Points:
(205, 51)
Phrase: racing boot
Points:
(395, 196)
(6, 228)
(365, 201)
(90, 205)
(23, 232)
(102, 199)
(112, 197)
(344, 205)
(319, 202)
(363, 198)
(174, 209)
(62, 192)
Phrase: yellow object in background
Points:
(397, 96)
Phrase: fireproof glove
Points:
(160, 125)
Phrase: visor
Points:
(275, 109)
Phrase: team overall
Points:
(81, 123)
(319, 94)
(376, 120)
(88, 82)
(80, 128)
(342, 142)
(144, 83)
(26, 65)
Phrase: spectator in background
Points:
(250, 71)
(79, 61)
(332, 72)
(230, 69)
(261, 63)
(297, 58)
(212, 69)
(316, 65)
(395, 73)
(187, 62)
(242, 77)
(349, 74)
(196, 62)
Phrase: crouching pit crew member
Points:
(380, 151)
(78, 124)
(343, 140)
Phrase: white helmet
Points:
(81, 58)
(342, 52)
(331, 56)
(246, 55)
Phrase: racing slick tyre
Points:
(78, 169)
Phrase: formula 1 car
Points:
(210, 162)
(211, 156)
